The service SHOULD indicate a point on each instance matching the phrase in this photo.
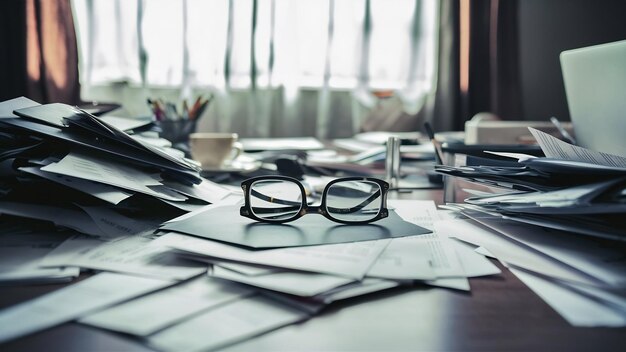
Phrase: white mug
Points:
(213, 150)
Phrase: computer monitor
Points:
(595, 84)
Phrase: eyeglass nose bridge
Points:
(313, 209)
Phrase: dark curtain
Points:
(493, 68)
(39, 56)
(443, 109)
(494, 74)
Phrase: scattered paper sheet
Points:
(346, 259)
(247, 269)
(72, 218)
(485, 252)
(444, 260)
(72, 302)
(227, 225)
(512, 252)
(116, 225)
(577, 309)
(21, 253)
(474, 264)
(596, 258)
(441, 251)
(298, 143)
(519, 156)
(423, 213)
(456, 283)
(146, 315)
(291, 282)
(553, 147)
(120, 175)
(102, 191)
(206, 191)
(407, 258)
(133, 255)
(125, 123)
(226, 325)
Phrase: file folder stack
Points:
(63, 165)
(573, 189)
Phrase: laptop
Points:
(595, 85)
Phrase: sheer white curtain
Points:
(276, 67)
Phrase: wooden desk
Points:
(500, 313)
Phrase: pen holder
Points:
(177, 131)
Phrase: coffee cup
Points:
(214, 150)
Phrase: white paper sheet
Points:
(422, 213)
(473, 263)
(72, 302)
(134, 255)
(441, 252)
(115, 174)
(21, 253)
(247, 269)
(444, 259)
(207, 191)
(146, 315)
(345, 259)
(406, 258)
(512, 252)
(230, 199)
(125, 123)
(485, 252)
(107, 193)
(356, 289)
(457, 283)
(234, 322)
(553, 147)
(297, 143)
(295, 283)
(116, 225)
(577, 309)
(595, 258)
(66, 217)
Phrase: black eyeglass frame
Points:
(246, 209)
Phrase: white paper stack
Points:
(583, 279)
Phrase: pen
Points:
(195, 107)
(562, 130)
(436, 144)
(202, 107)
(185, 110)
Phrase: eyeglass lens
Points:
(354, 201)
(275, 199)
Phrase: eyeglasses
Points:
(348, 200)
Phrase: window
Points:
(378, 44)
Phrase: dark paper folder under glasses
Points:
(348, 200)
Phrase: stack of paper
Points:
(582, 278)
(316, 275)
(574, 189)
(562, 232)
(171, 252)
(84, 175)
(245, 292)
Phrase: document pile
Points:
(95, 182)
(562, 231)
(172, 254)
(572, 189)
(232, 293)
